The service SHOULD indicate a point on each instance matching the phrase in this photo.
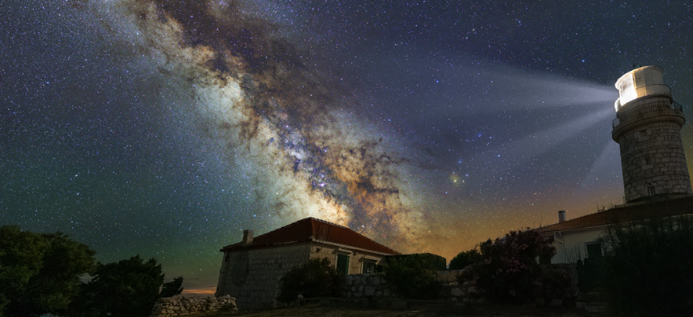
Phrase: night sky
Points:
(166, 127)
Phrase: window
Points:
(651, 190)
(342, 264)
(226, 257)
(594, 250)
(648, 160)
(368, 266)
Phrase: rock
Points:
(378, 293)
(376, 280)
(456, 292)
(595, 308)
(370, 290)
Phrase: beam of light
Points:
(607, 163)
(537, 143)
(461, 87)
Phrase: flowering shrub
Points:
(507, 270)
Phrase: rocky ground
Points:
(485, 310)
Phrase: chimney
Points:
(561, 216)
(247, 237)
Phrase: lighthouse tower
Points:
(647, 128)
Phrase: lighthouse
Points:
(647, 129)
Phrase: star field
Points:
(165, 128)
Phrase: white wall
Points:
(572, 245)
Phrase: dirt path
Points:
(489, 310)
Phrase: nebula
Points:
(264, 103)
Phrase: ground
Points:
(487, 310)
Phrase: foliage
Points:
(650, 267)
(508, 271)
(591, 273)
(130, 281)
(414, 276)
(172, 288)
(435, 262)
(465, 259)
(316, 278)
(39, 272)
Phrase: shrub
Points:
(508, 271)
(465, 259)
(172, 288)
(650, 268)
(317, 278)
(39, 272)
(127, 288)
(414, 276)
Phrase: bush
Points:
(127, 288)
(508, 271)
(435, 262)
(40, 273)
(650, 268)
(317, 278)
(465, 259)
(414, 276)
(172, 288)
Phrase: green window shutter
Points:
(343, 264)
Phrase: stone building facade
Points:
(251, 269)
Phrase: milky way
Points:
(260, 95)
(166, 127)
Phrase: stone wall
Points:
(371, 285)
(374, 286)
(181, 306)
(252, 276)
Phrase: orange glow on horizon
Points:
(200, 291)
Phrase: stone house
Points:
(251, 269)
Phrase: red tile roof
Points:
(625, 213)
(312, 229)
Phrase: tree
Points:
(649, 267)
(130, 281)
(464, 259)
(313, 279)
(508, 270)
(40, 273)
(172, 288)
